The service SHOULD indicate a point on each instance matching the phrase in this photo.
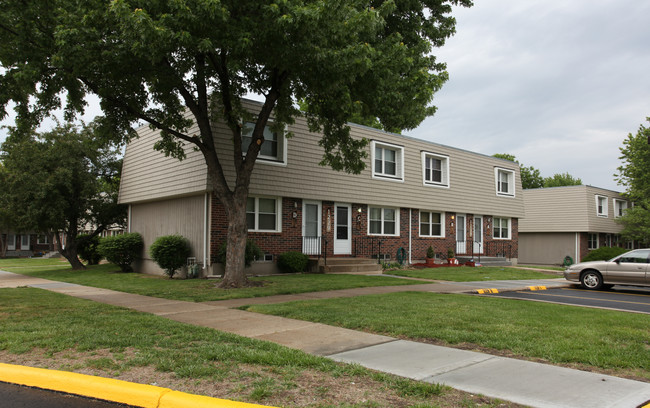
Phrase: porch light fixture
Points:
(359, 210)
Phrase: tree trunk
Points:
(70, 252)
(234, 272)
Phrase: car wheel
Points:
(591, 280)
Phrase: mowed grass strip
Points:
(470, 274)
(608, 340)
(108, 276)
(116, 340)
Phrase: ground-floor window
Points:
(501, 228)
(262, 214)
(431, 224)
(42, 239)
(592, 241)
(382, 221)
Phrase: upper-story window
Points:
(619, 208)
(263, 214)
(601, 206)
(273, 149)
(387, 161)
(505, 182)
(435, 169)
(383, 221)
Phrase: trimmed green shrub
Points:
(170, 252)
(430, 252)
(292, 262)
(253, 252)
(604, 254)
(121, 250)
(87, 249)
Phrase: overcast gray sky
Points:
(557, 83)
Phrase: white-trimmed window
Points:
(432, 224)
(24, 241)
(264, 214)
(435, 169)
(505, 182)
(592, 241)
(387, 161)
(601, 206)
(42, 240)
(274, 148)
(501, 228)
(11, 242)
(383, 221)
(619, 208)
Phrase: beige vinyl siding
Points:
(148, 175)
(182, 216)
(548, 248)
(472, 187)
(567, 209)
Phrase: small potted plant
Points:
(450, 257)
(430, 256)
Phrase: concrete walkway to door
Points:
(523, 382)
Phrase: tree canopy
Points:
(174, 63)
(634, 175)
(59, 182)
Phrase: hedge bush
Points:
(87, 249)
(253, 252)
(170, 252)
(122, 250)
(292, 262)
(604, 254)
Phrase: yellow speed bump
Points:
(140, 395)
(484, 291)
(537, 288)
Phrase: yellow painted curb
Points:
(140, 395)
(484, 291)
(537, 288)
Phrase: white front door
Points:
(342, 229)
(461, 241)
(11, 242)
(24, 242)
(478, 235)
(311, 227)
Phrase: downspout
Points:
(410, 232)
(128, 227)
(206, 230)
(577, 247)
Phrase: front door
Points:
(311, 228)
(478, 235)
(342, 229)
(461, 241)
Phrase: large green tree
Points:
(634, 174)
(157, 61)
(59, 182)
(5, 219)
(561, 179)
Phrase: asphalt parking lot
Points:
(623, 298)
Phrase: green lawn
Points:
(84, 335)
(469, 274)
(107, 276)
(607, 340)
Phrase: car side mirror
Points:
(618, 260)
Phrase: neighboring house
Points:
(26, 244)
(413, 194)
(569, 221)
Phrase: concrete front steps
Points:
(356, 266)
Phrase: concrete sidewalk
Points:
(524, 382)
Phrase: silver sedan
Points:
(631, 268)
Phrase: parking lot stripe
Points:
(590, 298)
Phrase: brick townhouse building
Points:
(412, 194)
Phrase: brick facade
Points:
(362, 243)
